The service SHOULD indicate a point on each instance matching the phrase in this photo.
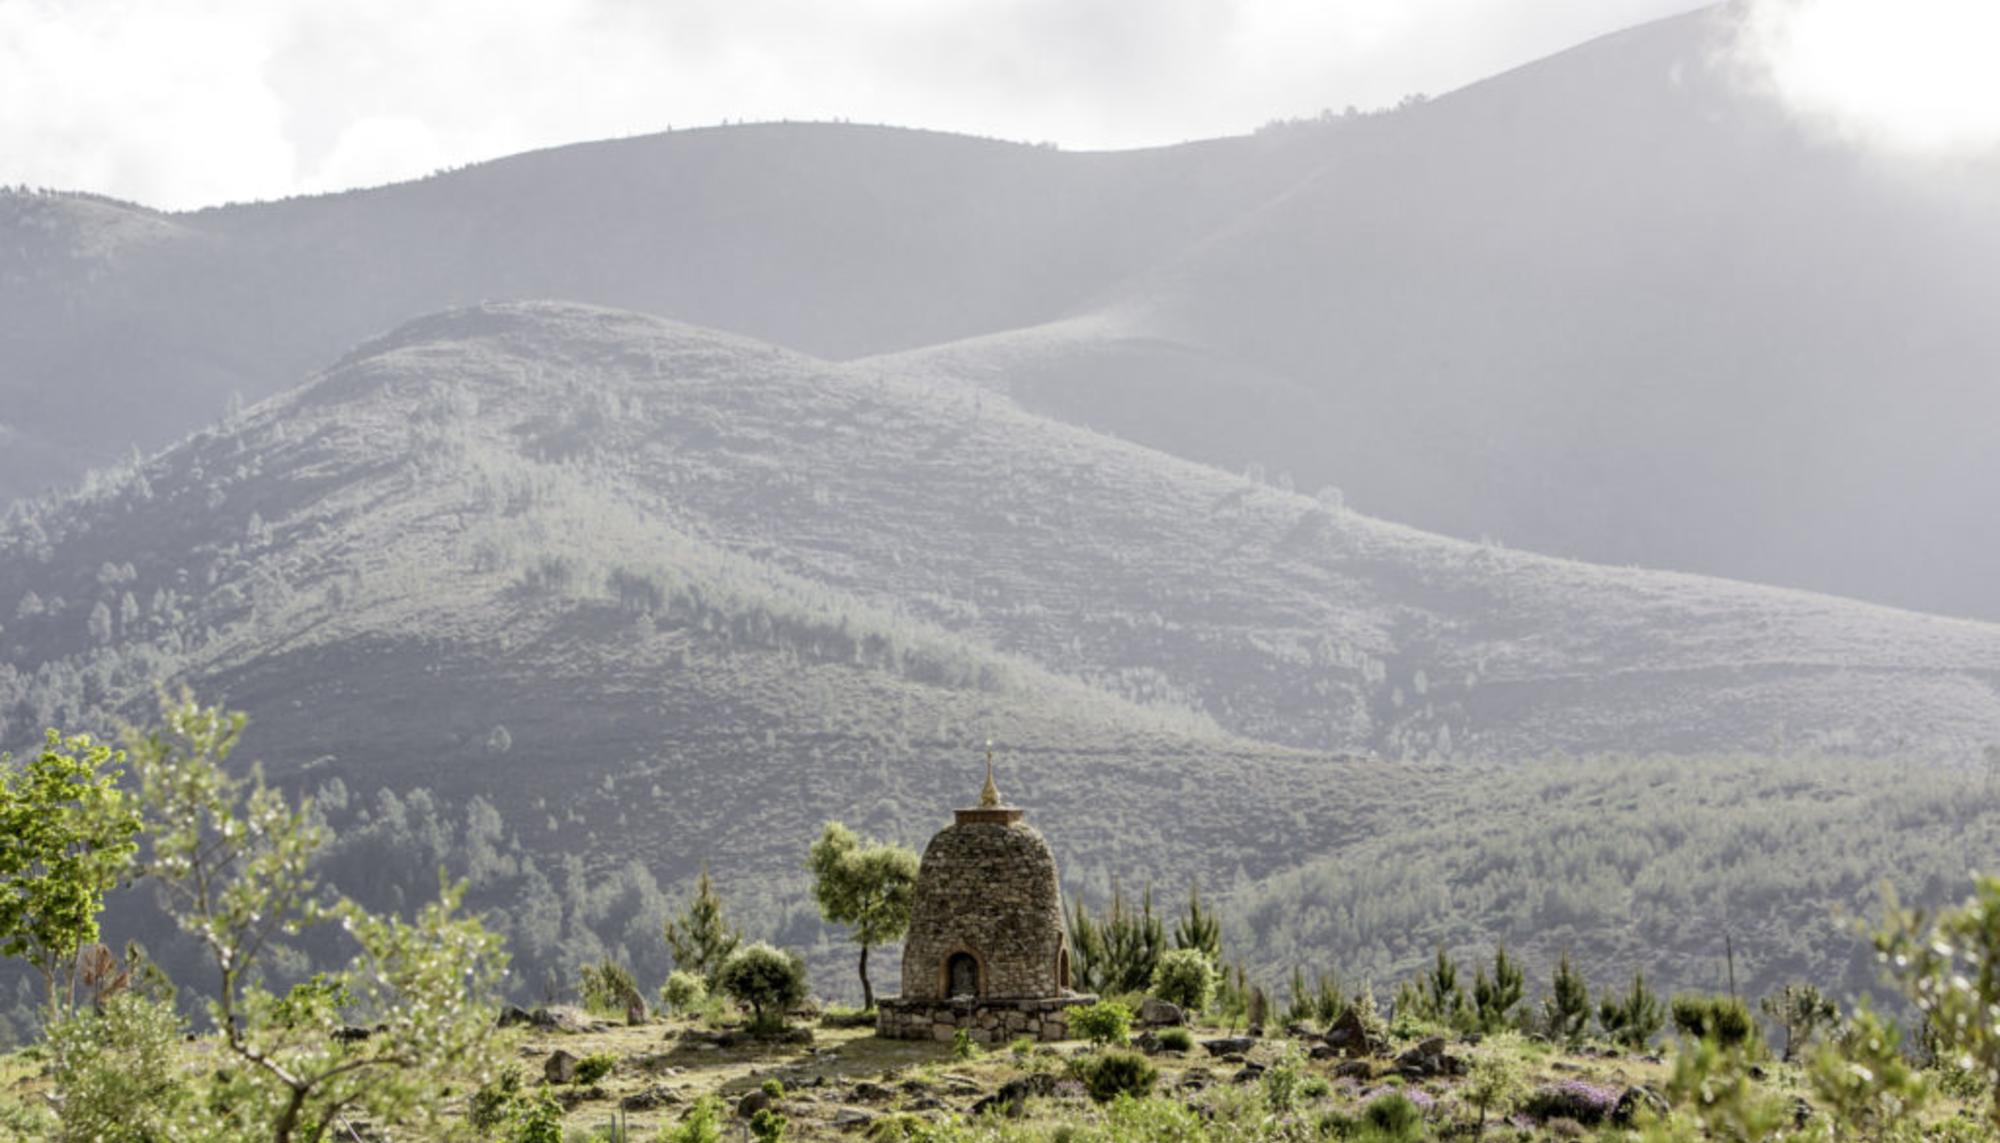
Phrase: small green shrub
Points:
(608, 989)
(494, 1101)
(1177, 1040)
(1021, 1047)
(1185, 977)
(1105, 1022)
(537, 1121)
(962, 1047)
(1282, 1078)
(1111, 1074)
(701, 1124)
(768, 1126)
(118, 1071)
(1315, 1087)
(590, 1069)
(1392, 1117)
(1724, 1019)
(683, 992)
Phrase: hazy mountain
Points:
(594, 597)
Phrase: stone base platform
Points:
(988, 1020)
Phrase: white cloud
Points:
(1913, 75)
(186, 102)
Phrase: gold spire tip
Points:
(989, 797)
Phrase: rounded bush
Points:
(1185, 977)
(771, 982)
(684, 991)
(1177, 1040)
(1118, 1072)
(1105, 1022)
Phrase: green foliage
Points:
(536, 1121)
(1862, 1079)
(1442, 999)
(234, 862)
(608, 989)
(1391, 1118)
(962, 1047)
(1110, 1074)
(866, 885)
(701, 1124)
(1948, 965)
(118, 1073)
(1185, 976)
(1105, 1022)
(1177, 1040)
(65, 838)
(684, 991)
(1724, 1019)
(1496, 1080)
(594, 1067)
(492, 1104)
(771, 982)
(1494, 999)
(1712, 1085)
(1632, 1020)
(1282, 1079)
(768, 1126)
(1199, 929)
(773, 1087)
(1802, 1012)
(1566, 1009)
(699, 939)
(1120, 953)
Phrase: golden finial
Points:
(990, 796)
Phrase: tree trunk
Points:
(867, 990)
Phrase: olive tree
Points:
(772, 982)
(865, 885)
(235, 862)
(66, 834)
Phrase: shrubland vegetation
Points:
(404, 1037)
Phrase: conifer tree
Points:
(1197, 929)
(1494, 999)
(699, 939)
(1634, 1019)
(1566, 1009)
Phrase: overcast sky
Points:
(181, 103)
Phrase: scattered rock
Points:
(569, 1097)
(1354, 1069)
(1322, 1051)
(1627, 1111)
(1157, 1013)
(1012, 1098)
(514, 1016)
(1196, 1079)
(925, 1103)
(649, 1099)
(1802, 1111)
(1350, 1037)
(1249, 1073)
(1147, 1042)
(753, 1102)
(1429, 1059)
(1229, 1045)
(852, 1119)
(871, 1093)
(560, 1068)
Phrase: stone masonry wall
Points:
(985, 1023)
(988, 888)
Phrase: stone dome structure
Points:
(987, 948)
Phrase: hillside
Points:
(1612, 305)
(572, 600)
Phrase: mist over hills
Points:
(1612, 305)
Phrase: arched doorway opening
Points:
(1062, 968)
(961, 975)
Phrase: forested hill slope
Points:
(540, 457)
(571, 599)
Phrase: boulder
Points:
(871, 1093)
(1229, 1045)
(1354, 1069)
(1250, 1072)
(754, 1102)
(852, 1119)
(560, 1067)
(1350, 1037)
(1636, 1098)
(1012, 1098)
(1157, 1013)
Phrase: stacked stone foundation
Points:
(993, 1020)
